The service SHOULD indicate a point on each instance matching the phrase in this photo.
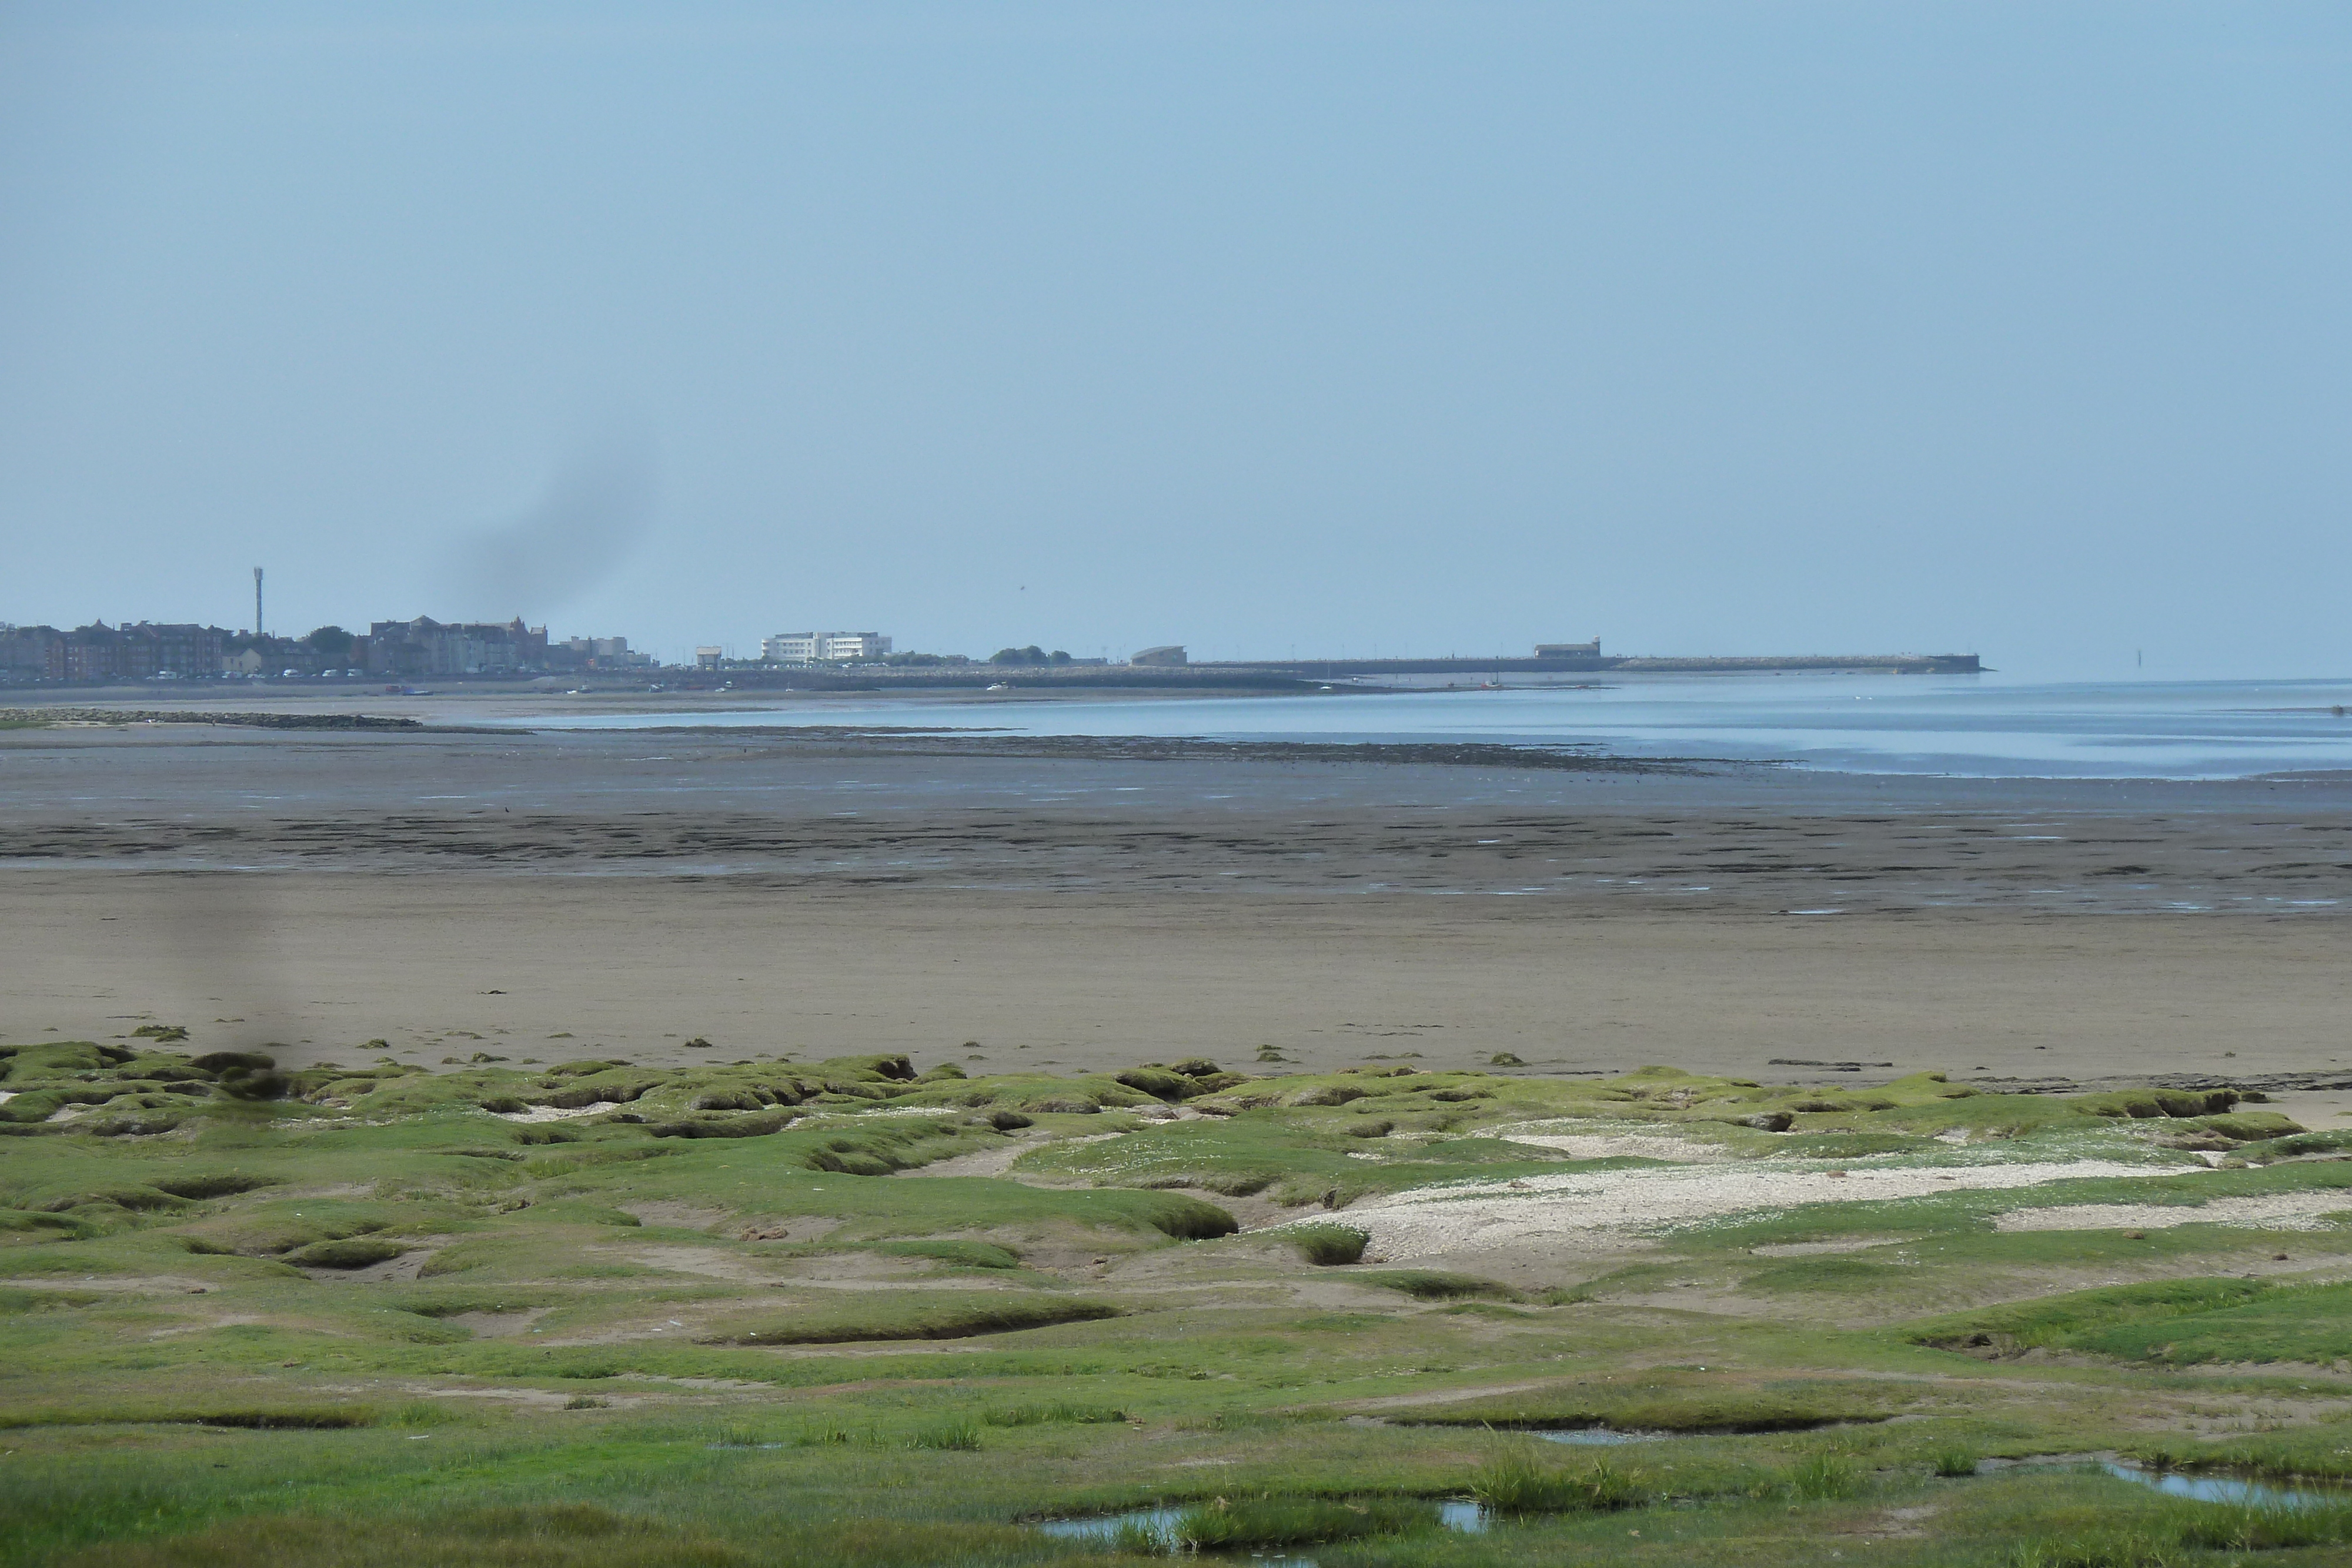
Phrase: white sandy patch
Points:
(1630, 1145)
(540, 1397)
(2277, 1211)
(553, 1113)
(1818, 1248)
(990, 1162)
(1572, 1205)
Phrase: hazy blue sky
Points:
(1709, 328)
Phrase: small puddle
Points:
(1595, 1437)
(2222, 1488)
(1469, 1517)
(1160, 1525)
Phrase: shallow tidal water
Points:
(1471, 1518)
(1595, 1437)
(2229, 1489)
(1463, 1518)
(1961, 726)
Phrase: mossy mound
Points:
(908, 1316)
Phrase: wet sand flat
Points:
(630, 892)
(459, 962)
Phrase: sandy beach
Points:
(554, 895)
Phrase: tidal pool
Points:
(2225, 1488)
(1160, 1524)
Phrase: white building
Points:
(791, 647)
(820, 647)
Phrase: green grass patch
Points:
(1326, 1246)
(570, 1535)
(957, 1436)
(1052, 1411)
(1434, 1284)
(2290, 1322)
(907, 1315)
(242, 1417)
(1260, 1524)
(2288, 1147)
(959, 1254)
(1519, 1478)
(2178, 1320)
(1670, 1404)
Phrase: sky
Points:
(1745, 328)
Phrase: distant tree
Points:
(1032, 654)
(1060, 656)
(331, 643)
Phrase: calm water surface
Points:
(2224, 1489)
(1463, 1518)
(1972, 726)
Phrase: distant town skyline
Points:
(421, 647)
(616, 651)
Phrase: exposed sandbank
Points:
(628, 892)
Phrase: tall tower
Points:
(256, 601)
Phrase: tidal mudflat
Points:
(311, 890)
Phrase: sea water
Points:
(1956, 726)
